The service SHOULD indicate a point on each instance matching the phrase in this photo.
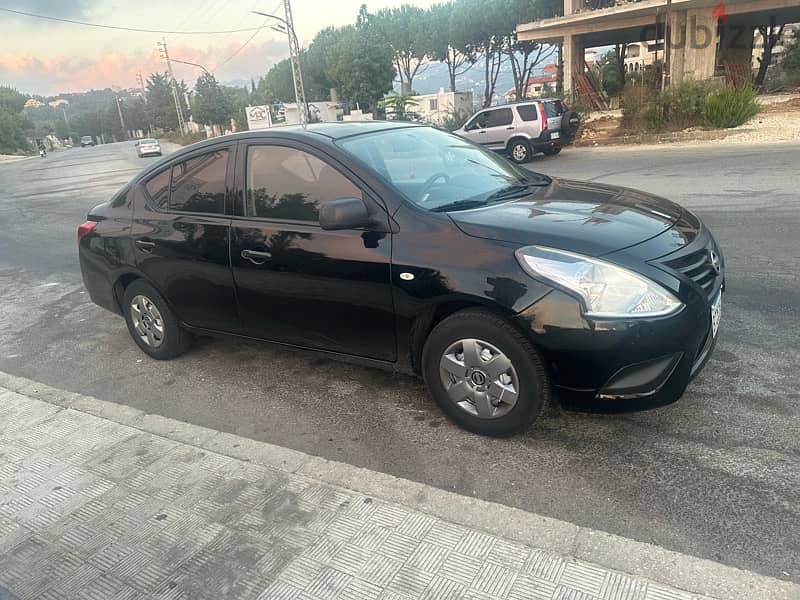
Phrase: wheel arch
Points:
(435, 313)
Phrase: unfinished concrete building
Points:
(706, 35)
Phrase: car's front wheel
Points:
(152, 324)
(484, 374)
(520, 151)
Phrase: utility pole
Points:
(162, 48)
(121, 120)
(297, 75)
(666, 71)
(294, 58)
(140, 79)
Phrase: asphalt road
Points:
(716, 475)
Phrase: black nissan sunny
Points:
(408, 247)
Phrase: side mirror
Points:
(344, 213)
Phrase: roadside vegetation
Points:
(14, 127)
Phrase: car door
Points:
(181, 234)
(475, 129)
(297, 283)
(499, 127)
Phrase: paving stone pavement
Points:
(92, 509)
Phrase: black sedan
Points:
(407, 247)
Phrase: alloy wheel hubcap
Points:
(147, 321)
(479, 378)
(520, 152)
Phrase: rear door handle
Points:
(145, 245)
(256, 257)
(509, 128)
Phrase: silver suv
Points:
(523, 129)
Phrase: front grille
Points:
(697, 266)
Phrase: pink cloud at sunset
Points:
(57, 74)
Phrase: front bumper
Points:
(634, 359)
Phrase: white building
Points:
(436, 107)
(322, 111)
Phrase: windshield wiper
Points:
(512, 191)
(459, 205)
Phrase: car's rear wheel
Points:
(520, 151)
(152, 324)
(484, 374)
(552, 151)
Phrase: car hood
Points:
(588, 218)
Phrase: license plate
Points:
(716, 314)
(555, 135)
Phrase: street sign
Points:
(258, 117)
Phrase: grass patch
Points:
(731, 107)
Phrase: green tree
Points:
(791, 55)
(210, 104)
(450, 40)
(14, 127)
(524, 56)
(398, 106)
(360, 63)
(237, 99)
(160, 103)
(407, 30)
(488, 26)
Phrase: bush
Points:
(183, 140)
(453, 120)
(678, 107)
(731, 106)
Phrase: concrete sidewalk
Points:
(101, 501)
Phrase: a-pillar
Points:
(574, 60)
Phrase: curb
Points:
(694, 575)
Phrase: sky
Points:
(48, 58)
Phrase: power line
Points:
(250, 39)
(121, 28)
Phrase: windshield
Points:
(439, 171)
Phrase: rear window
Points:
(553, 109)
(528, 112)
(158, 189)
(198, 184)
(500, 117)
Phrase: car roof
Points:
(329, 132)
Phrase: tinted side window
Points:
(198, 184)
(286, 183)
(528, 112)
(500, 117)
(158, 189)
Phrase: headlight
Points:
(606, 290)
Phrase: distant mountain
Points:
(435, 76)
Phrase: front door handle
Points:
(256, 257)
(145, 245)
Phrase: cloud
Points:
(61, 8)
(57, 74)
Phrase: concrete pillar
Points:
(572, 6)
(679, 42)
(573, 60)
(700, 53)
(736, 44)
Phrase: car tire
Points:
(552, 151)
(520, 151)
(451, 374)
(152, 324)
